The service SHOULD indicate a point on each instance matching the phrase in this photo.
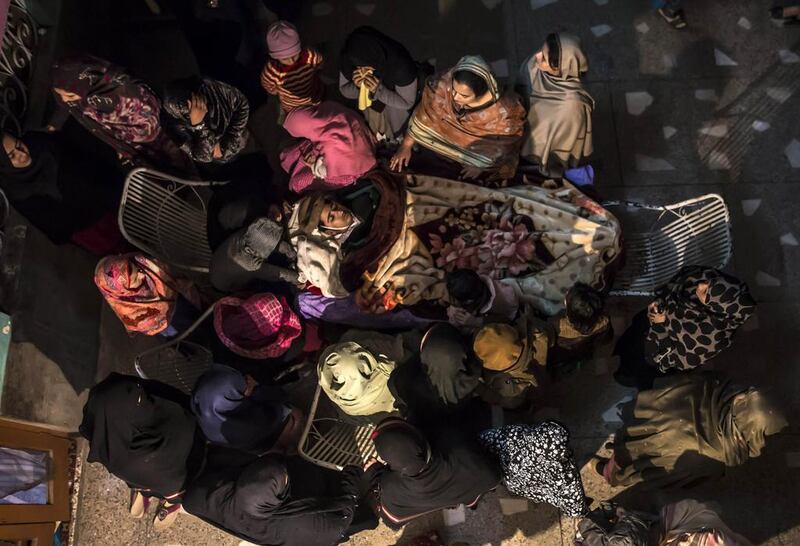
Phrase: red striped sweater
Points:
(297, 84)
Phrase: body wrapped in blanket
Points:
(392, 239)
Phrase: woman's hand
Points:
(372, 83)
(361, 73)
(197, 109)
(308, 156)
(216, 153)
(400, 159)
(655, 313)
(470, 173)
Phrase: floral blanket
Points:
(540, 240)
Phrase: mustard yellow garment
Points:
(364, 101)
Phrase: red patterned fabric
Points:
(262, 326)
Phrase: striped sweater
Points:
(297, 84)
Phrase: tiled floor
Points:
(678, 114)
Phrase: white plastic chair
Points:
(178, 363)
(166, 217)
(660, 240)
(332, 443)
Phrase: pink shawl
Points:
(334, 132)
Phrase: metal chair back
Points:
(660, 240)
(178, 363)
(331, 443)
(166, 216)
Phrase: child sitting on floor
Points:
(477, 299)
(581, 327)
(293, 71)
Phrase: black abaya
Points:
(420, 478)
(142, 432)
(258, 503)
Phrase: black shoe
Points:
(674, 18)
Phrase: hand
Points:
(361, 73)
(372, 83)
(250, 385)
(470, 173)
(50, 129)
(653, 314)
(309, 156)
(274, 212)
(217, 152)
(401, 158)
(197, 109)
(370, 298)
(358, 76)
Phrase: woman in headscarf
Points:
(382, 75)
(442, 381)
(335, 148)
(259, 503)
(354, 373)
(682, 523)
(412, 232)
(145, 295)
(513, 358)
(464, 117)
(689, 523)
(207, 119)
(693, 318)
(538, 464)
(62, 191)
(118, 109)
(687, 429)
(261, 326)
(143, 433)
(419, 478)
(252, 255)
(235, 411)
(560, 115)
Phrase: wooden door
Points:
(35, 523)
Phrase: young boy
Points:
(580, 327)
(293, 71)
(477, 299)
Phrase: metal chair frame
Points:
(172, 228)
(331, 443)
(183, 372)
(700, 234)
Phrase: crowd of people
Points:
(438, 248)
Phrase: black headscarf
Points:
(228, 417)
(694, 331)
(255, 503)
(422, 478)
(447, 364)
(366, 46)
(141, 431)
(40, 178)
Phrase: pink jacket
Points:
(336, 134)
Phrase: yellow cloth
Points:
(364, 101)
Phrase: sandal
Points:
(166, 515)
(674, 18)
(138, 504)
